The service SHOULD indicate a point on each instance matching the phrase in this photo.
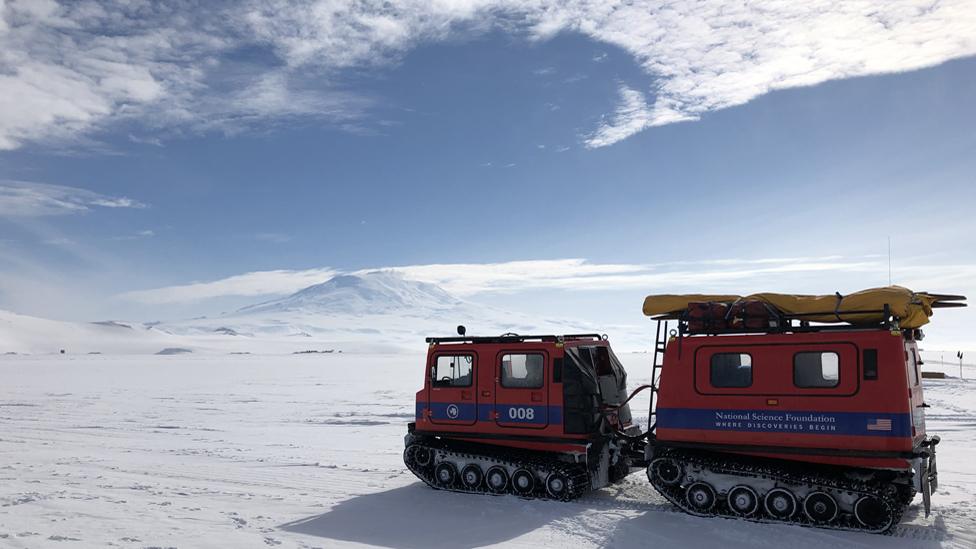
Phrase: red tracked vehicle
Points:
(526, 415)
(760, 410)
(764, 416)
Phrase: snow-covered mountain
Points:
(378, 311)
(378, 292)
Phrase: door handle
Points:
(465, 395)
(486, 393)
(536, 397)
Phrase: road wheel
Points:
(780, 503)
(743, 500)
(701, 497)
(557, 485)
(497, 479)
(820, 507)
(471, 476)
(445, 474)
(523, 482)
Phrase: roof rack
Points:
(787, 325)
(886, 311)
(891, 307)
(514, 338)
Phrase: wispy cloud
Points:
(27, 199)
(60, 241)
(64, 75)
(276, 238)
(138, 235)
(579, 274)
(248, 284)
(467, 279)
(633, 114)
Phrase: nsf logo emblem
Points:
(452, 411)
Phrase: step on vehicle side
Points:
(534, 416)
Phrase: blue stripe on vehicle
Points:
(555, 414)
(507, 413)
(801, 422)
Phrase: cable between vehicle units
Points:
(616, 430)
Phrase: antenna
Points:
(889, 260)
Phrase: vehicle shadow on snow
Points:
(417, 517)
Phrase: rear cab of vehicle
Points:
(830, 381)
(846, 397)
(538, 393)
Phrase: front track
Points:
(459, 467)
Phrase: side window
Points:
(870, 364)
(452, 371)
(522, 371)
(601, 359)
(730, 370)
(816, 369)
(912, 368)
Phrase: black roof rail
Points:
(787, 326)
(679, 315)
(514, 338)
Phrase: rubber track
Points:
(787, 476)
(576, 475)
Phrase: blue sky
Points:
(444, 141)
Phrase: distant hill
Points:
(24, 334)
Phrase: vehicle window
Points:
(601, 359)
(452, 371)
(605, 364)
(816, 369)
(522, 371)
(912, 368)
(731, 370)
(870, 364)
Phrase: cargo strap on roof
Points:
(913, 309)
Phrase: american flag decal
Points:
(880, 425)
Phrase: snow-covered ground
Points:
(304, 451)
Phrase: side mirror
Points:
(461, 330)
